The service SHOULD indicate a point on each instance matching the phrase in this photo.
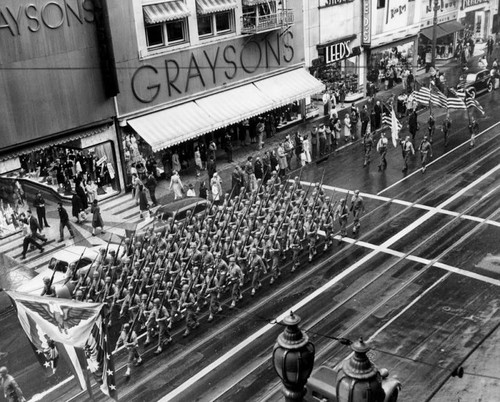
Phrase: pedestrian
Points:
(11, 390)
(258, 168)
(166, 160)
(228, 144)
(39, 204)
(342, 93)
(203, 191)
(431, 126)
(136, 183)
(176, 164)
(368, 145)
(322, 139)
(446, 128)
(288, 146)
(314, 142)
(489, 46)
(197, 161)
(337, 131)
(413, 124)
(216, 188)
(143, 202)
(236, 181)
(128, 337)
(306, 144)
(82, 194)
(211, 167)
(64, 222)
(474, 130)
(212, 149)
(34, 227)
(91, 190)
(354, 122)
(382, 150)
(357, 208)
(408, 150)
(347, 127)
(176, 185)
(425, 149)
(326, 103)
(299, 148)
(365, 119)
(260, 133)
(97, 221)
(76, 206)
(151, 184)
(282, 160)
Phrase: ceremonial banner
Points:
(456, 101)
(62, 320)
(437, 97)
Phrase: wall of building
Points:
(155, 80)
(50, 76)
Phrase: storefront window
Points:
(341, 73)
(60, 167)
(386, 65)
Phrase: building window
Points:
(167, 33)
(380, 3)
(215, 24)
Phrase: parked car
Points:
(475, 82)
(82, 256)
(176, 210)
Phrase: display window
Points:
(387, 66)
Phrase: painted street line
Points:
(268, 327)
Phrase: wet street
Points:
(421, 283)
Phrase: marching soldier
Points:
(211, 291)
(341, 214)
(357, 208)
(408, 151)
(222, 268)
(294, 245)
(129, 339)
(312, 236)
(188, 303)
(257, 267)
(129, 305)
(173, 299)
(48, 290)
(425, 149)
(236, 280)
(382, 150)
(275, 252)
(159, 318)
(446, 128)
(368, 145)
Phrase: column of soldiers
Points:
(160, 278)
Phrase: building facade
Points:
(188, 68)
(57, 116)
(333, 50)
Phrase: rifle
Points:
(68, 278)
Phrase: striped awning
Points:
(289, 87)
(166, 11)
(254, 2)
(214, 6)
(191, 119)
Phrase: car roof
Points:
(73, 253)
(180, 205)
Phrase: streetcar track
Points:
(397, 291)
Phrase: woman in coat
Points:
(176, 185)
(176, 164)
(143, 200)
(347, 127)
(282, 159)
(76, 206)
(97, 221)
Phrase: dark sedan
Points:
(475, 82)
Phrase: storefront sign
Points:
(199, 69)
(337, 51)
(366, 28)
(472, 3)
(29, 18)
(329, 3)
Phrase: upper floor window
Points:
(166, 23)
(380, 3)
(215, 17)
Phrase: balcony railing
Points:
(251, 24)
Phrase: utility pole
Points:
(434, 32)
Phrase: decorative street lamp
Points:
(293, 359)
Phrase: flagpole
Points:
(89, 385)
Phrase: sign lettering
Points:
(50, 15)
(337, 51)
(472, 3)
(206, 69)
(329, 3)
(366, 29)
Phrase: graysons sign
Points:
(208, 68)
(26, 18)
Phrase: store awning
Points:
(214, 6)
(166, 11)
(442, 29)
(289, 87)
(189, 120)
(172, 126)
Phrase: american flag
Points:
(100, 359)
(437, 97)
(390, 119)
(472, 102)
(456, 101)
